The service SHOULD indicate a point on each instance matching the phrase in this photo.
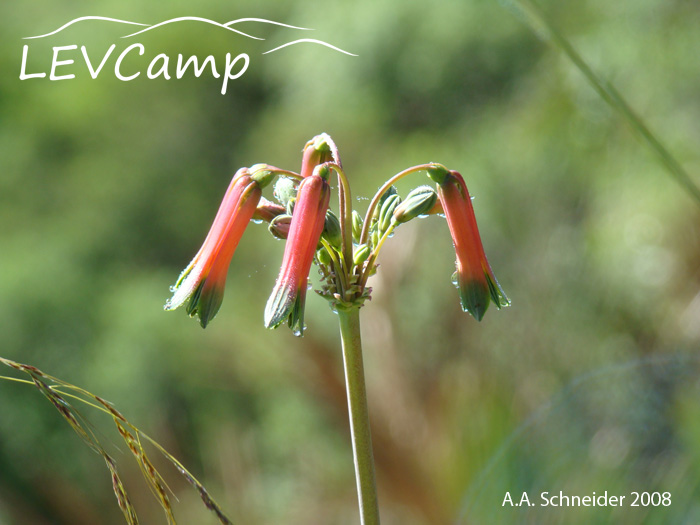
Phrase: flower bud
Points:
(323, 256)
(387, 212)
(331, 230)
(419, 202)
(388, 193)
(356, 226)
(279, 226)
(361, 254)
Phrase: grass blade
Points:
(544, 26)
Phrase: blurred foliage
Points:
(588, 383)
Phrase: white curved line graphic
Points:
(197, 19)
(233, 22)
(80, 20)
(312, 41)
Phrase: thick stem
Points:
(359, 415)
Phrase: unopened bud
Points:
(356, 226)
(331, 230)
(279, 226)
(419, 202)
(324, 257)
(361, 254)
(388, 193)
(387, 212)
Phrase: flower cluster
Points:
(345, 247)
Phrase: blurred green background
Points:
(588, 383)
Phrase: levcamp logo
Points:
(64, 66)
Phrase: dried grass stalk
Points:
(58, 392)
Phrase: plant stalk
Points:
(359, 415)
(540, 21)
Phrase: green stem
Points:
(373, 256)
(384, 188)
(345, 209)
(359, 415)
(285, 173)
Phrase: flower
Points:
(201, 284)
(308, 219)
(474, 277)
(317, 151)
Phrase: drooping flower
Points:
(308, 218)
(474, 277)
(201, 284)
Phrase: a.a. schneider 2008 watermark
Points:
(562, 499)
(63, 62)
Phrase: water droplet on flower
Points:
(257, 221)
(455, 279)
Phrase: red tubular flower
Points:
(289, 294)
(201, 284)
(474, 276)
(317, 151)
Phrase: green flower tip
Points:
(322, 171)
(322, 143)
(262, 174)
(205, 303)
(285, 304)
(438, 172)
(475, 296)
(498, 296)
